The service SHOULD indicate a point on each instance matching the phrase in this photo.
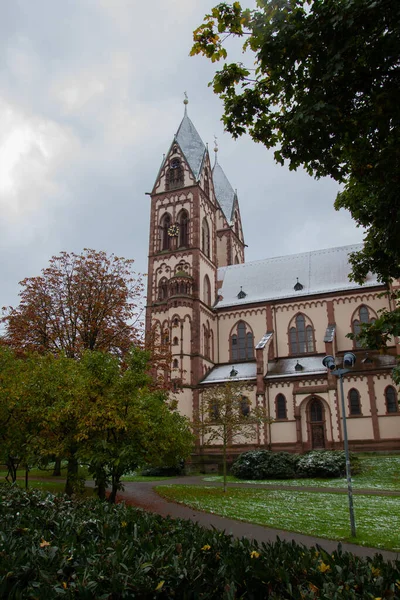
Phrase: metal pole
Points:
(339, 372)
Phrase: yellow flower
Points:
(206, 547)
(124, 524)
(375, 572)
(254, 554)
(65, 585)
(323, 567)
(43, 543)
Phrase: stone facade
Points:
(272, 320)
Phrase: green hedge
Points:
(263, 464)
(53, 547)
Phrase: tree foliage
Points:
(321, 88)
(324, 95)
(87, 301)
(98, 410)
(225, 416)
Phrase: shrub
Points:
(54, 547)
(326, 463)
(263, 464)
(164, 471)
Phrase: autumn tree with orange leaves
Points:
(87, 301)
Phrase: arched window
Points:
(183, 222)
(206, 338)
(316, 412)
(281, 410)
(175, 341)
(362, 315)
(163, 289)
(165, 238)
(165, 337)
(354, 402)
(205, 238)
(175, 364)
(244, 406)
(207, 291)
(174, 177)
(214, 410)
(242, 343)
(206, 183)
(301, 336)
(392, 405)
(236, 224)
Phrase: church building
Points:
(267, 323)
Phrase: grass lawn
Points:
(319, 514)
(378, 473)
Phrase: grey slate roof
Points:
(319, 271)
(285, 367)
(191, 145)
(224, 191)
(247, 370)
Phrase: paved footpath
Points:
(143, 496)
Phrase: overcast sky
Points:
(91, 95)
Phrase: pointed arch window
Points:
(163, 289)
(174, 177)
(206, 183)
(281, 409)
(361, 316)
(207, 291)
(301, 336)
(206, 338)
(205, 238)
(175, 364)
(392, 405)
(242, 343)
(244, 406)
(165, 238)
(316, 411)
(236, 224)
(183, 223)
(354, 402)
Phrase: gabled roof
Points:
(320, 271)
(224, 192)
(191, 145)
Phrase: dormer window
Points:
(241, 294)
(298, 286)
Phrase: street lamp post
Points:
(349, 360)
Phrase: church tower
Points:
(195, 228)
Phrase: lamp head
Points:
(349, 360)
(329, 362)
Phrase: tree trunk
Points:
(224, 460)
(115, 486)
(12, 469)
(101, 488)
(72, 475)
(26, 476)
(57, 468)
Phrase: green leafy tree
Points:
(128, 423)
(15, 423)
(321, 88)
(225, 417)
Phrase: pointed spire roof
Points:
(191, 144)
(224, 192)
